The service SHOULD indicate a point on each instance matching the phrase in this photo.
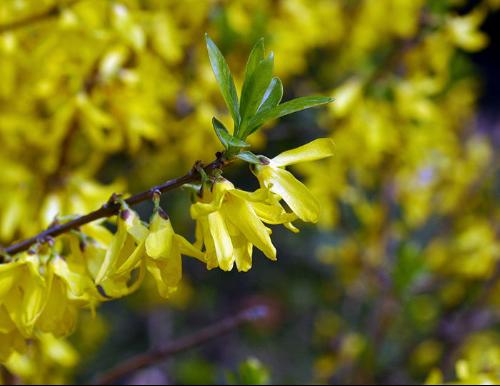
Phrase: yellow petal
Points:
(58, 350)
(134, 225)
(166, 272)
(59, 315)
(6, 323)
(189, 249)
(200, 209)
(133, 260)
(11, 217)
(243, 253)
(260, 195)
(222, 241)
(315, 150)
(118, 286)
(464, 30)
(113, 252)
(13, 305)
(79, 283)
(11, 344)
(160, 238)
(198, 235)
(94, 257)
(242, 216)
(51, 208)
(292, 191)
(35, 296)
(266, 205)
(211, 199)
(291, 227)
(98, 233)
(273, 214)
(9, 275)
(210, 251)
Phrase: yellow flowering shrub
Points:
(100, 98)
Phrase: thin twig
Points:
(112, 207)
(7, 377)
(204, 335)
(46, 14)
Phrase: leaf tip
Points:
(208, 40)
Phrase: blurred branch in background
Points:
(250, 315)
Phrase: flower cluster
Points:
(42, 290)
(409, 192)
(230, 221)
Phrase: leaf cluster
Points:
(259, 101)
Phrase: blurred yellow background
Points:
(400, 282)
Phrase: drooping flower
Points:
(268, 208)
(122, 268)
(97, 247)
(44, 298)
(10, 337)
(163, 253)
(27, 297)
(273, 176)
(228, 226)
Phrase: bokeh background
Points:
(398, 283)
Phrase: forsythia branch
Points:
(215, 330)
(112, 207)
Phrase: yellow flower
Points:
(163, 249)
(43, 298)
(10, 337)
(28, 296)
(122, 268)
(464, 30)
(228, 226)
(273, 176)
(9, 276)
(60, 314)
(268, 208)
(46, 362)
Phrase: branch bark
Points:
(204, 335)
(111, 208)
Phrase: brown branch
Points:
(46, 14)
(7, 377)
(204, 335)
(112, 207)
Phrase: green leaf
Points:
(227, 139)
(286, 108)
(224, 79)
(249, 157)
(255, 57)
(255, 87)
(272, 96)
(221, 131)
